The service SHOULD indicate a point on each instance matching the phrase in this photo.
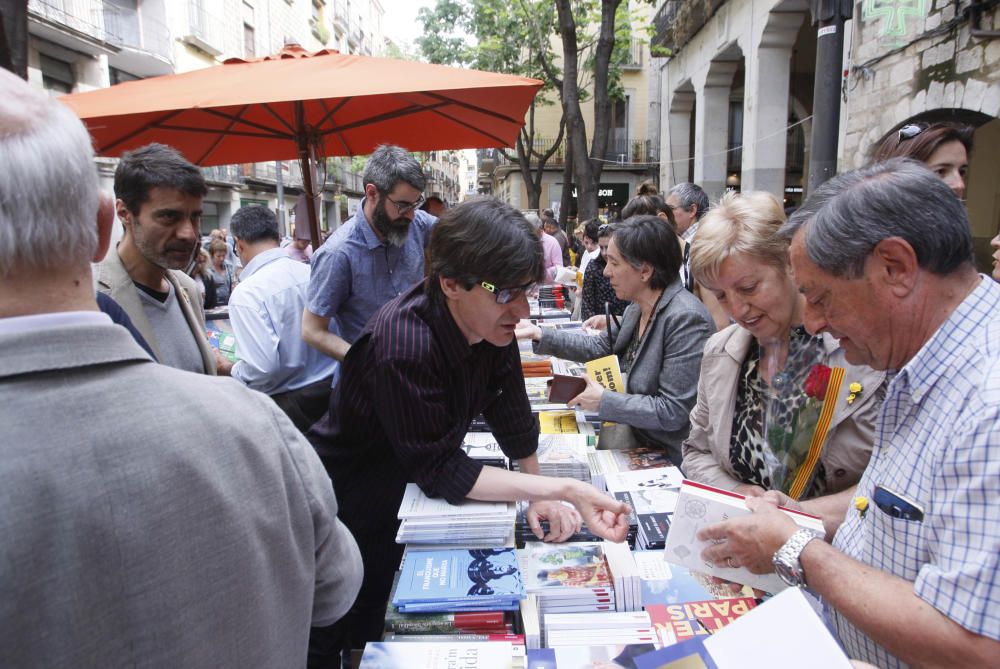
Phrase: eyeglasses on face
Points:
(507, 295)
(405, 207)
(910, 131)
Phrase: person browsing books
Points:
(754, 374)
(883, 256)
(658, 343)
(421, 370)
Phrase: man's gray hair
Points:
(390, 165)
(851, 213)
(536, 223)
(688, 194)
(48, 182)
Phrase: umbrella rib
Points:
(240, 133)
(121, 140)
(339, 136)
(277, 117)
(459, 121)
(474, 108)
(259, 126)
(330, 113)
(388, 116)
(218, 140)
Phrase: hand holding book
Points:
(750, 541)
(564, 521)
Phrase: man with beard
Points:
(158, 200)
(371, 259)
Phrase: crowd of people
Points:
(155, 516)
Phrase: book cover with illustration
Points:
(665, 583)
(448, 580)
(680, 622)
(578, 569)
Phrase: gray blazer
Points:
(114, 280)
(664, 377)
(144, 524)
(848, 444)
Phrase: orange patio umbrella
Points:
(301, 105)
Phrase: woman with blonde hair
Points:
(777, 408)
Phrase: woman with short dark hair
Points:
(658, 343)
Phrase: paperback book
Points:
(457, 580)
(584, 656)
(680, 622)
(404, 655)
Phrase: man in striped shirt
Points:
(421, 370)
(884, 258)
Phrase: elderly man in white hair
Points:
(128, 539)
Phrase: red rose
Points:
(819, 379)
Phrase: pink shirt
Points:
(553, 255)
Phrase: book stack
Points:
(652, 495)
(534, 365)
(457, 622)
(624, 576)
(604, 462)
(586, 629)
(460, 641)
(567, 578)
(432, 581)
(564, 455)
(553, 296)
(483, 446)
(432, 655)
(434, 521)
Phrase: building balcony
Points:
(144, 41)
(204, 28)
(340, 23)
(634, 59)
(80, 25)
(677, 21)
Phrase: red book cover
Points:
(679, 622)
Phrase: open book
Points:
(700, 505)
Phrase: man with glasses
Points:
(373, 258)
(421, 370)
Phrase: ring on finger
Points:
(729, 561)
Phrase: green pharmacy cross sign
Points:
(893, 13)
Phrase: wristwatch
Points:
(786, 559)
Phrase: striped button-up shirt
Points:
(408, 390)
(938, 445)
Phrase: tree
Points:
(515, 37)
(588, 165)
(506, 41)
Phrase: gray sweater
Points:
(663, 381)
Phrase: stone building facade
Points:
(737, 86)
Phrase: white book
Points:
(784, 631)
(578, 621)
(416, 504)
(555, 638)
(530, 622)
(701, 505)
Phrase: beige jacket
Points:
(114, 280)
(852, 429)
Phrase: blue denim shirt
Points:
(354, 274)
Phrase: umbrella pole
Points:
(307, 179)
